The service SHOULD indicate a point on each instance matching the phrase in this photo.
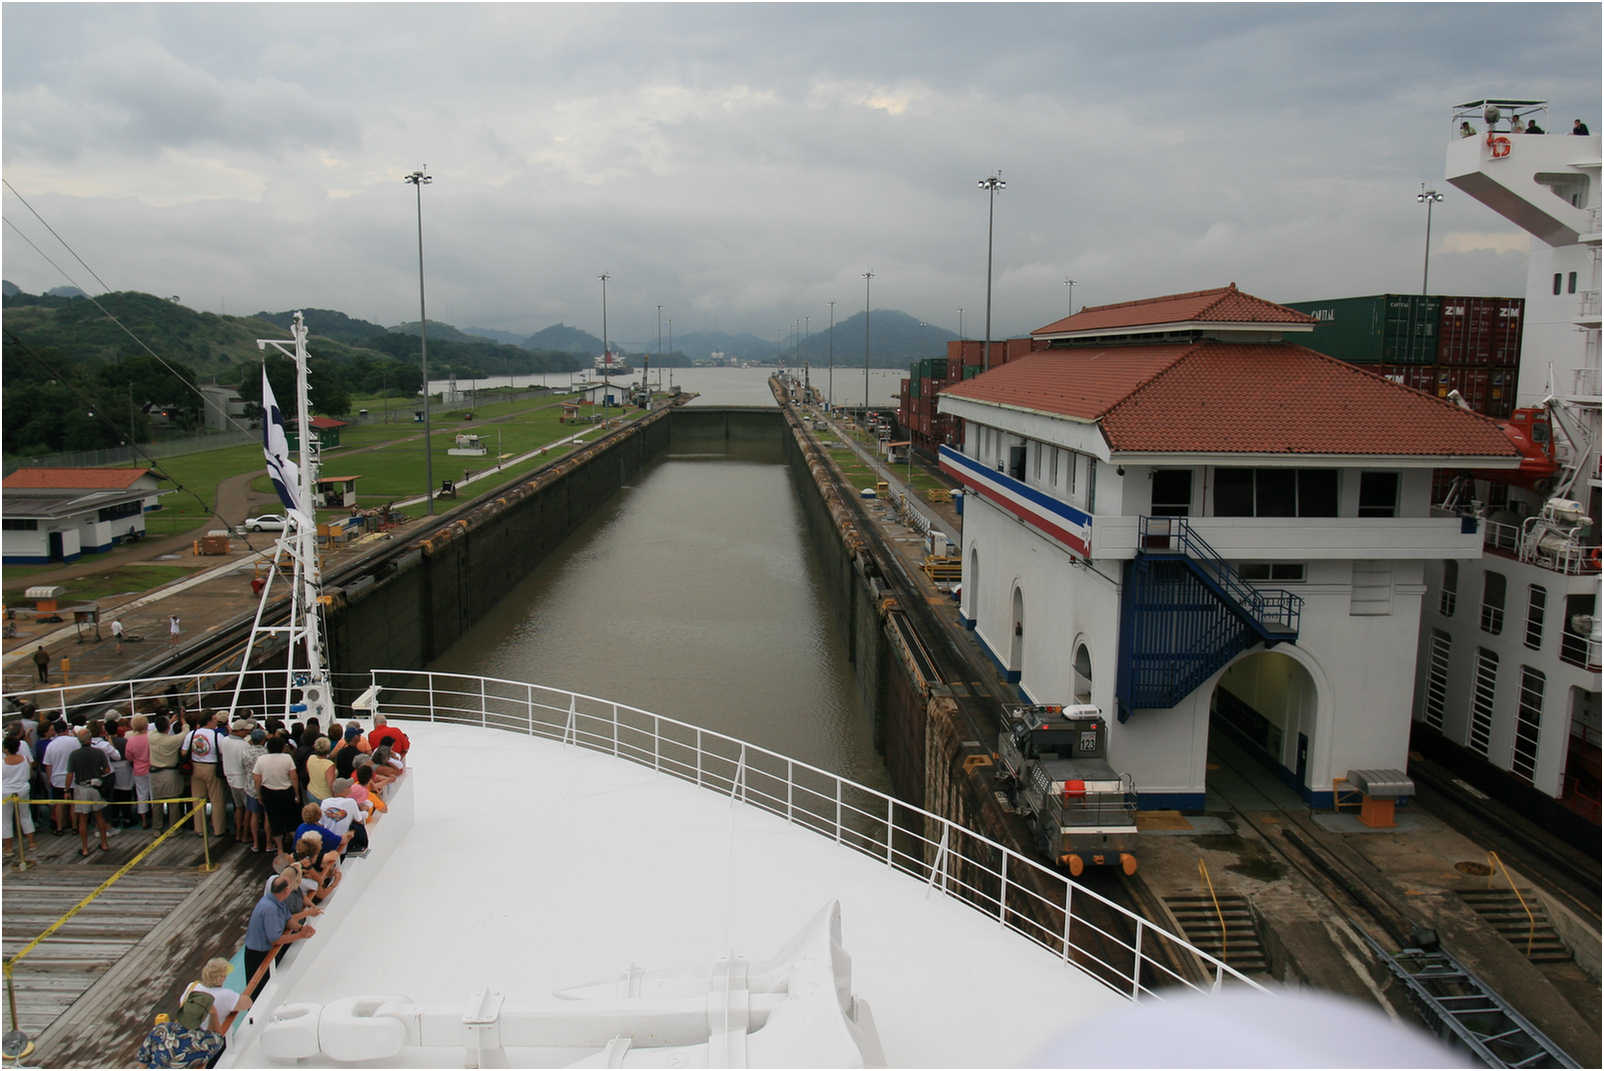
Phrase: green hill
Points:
(895, 340)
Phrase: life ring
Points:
(1499, 146)
(1593, 560)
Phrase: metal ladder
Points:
(1456, 1005)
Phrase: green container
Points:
(934, 367)
(913, 389)
(1381, 329)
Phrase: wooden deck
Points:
(88, 993)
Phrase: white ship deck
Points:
(530, 866)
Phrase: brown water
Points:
(693, 594)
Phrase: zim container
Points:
(1480, 331)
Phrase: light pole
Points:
(991, 186)
(1427, 198)
(832, 356)
(670, 350)
(646, 386)
(960, 323)
(420, 180)
(607, 351)
(866, 277)
(1070, 284)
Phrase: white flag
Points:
(285, 475)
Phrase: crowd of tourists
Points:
(301, 793)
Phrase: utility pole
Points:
(1070, 284)
(832, 355)
(420, 180)
(960, 323)
(607, 351)
(991, 186)
(866, 277)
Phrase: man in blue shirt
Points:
(272, 928)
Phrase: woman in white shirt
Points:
(225, 1001)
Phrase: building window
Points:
(1536, 603)
(1570, 284)
(1481, 704)
(1083, 674)
(1265, 572)
(1275, 492)
(1528, 724)
(1492, 603)
(117, 513)
(1172, 492)
(1574, 645)
(1558, 278)
(1016, 462)
(20, 524)
(1450, 588)
(1378, 494)
(1437, 678)
(1054, 475)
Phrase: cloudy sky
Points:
(742, 165)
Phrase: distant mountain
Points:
(65, 292)
(896, 340)
(9, 288)
(560, 336)
(326, 323)
(438, 332)
(509, 337)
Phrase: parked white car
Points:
(268, 522)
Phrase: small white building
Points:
(1178, 515)
(220, 406)
(57, 514)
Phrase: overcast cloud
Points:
(743, 165)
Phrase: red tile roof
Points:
(1224, 304)
(327, 422)
(73, 479)
(1218, 397)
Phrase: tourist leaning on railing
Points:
(272, 929)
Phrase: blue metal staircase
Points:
(1185, 613)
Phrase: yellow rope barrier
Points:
(1204, 870)
(109, 882)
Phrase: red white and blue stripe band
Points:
(1055, 519)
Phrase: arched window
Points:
(1083, 674)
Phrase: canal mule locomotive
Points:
(1053, 765)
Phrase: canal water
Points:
(693, 593)
(725, 386)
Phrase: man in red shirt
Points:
(388, 734)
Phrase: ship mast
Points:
(296, 486)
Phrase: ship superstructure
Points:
(1509, 650)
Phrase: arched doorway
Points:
(1265, 703)
(1082, 685)
(1016, 637)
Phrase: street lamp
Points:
(960, 323)
(832, 356)
(991, 185)
(607, 351)
(866, 277)
(1427, 198)
(1070, 284)
(420, 180)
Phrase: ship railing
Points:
(1123, 950)
(1590, 305)
(1587, 382)
(1574, 558)
(261, 691)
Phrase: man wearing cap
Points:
(202, 745)
(87, 772)
(232, 748)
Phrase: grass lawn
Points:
(127, 578)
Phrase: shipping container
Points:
(1480, 331)
(1380, 329)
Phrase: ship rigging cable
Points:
(107, 312)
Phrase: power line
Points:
(105, 311)
(56, 236)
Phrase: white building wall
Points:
(25, 544)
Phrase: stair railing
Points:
(1531, 921)
(1174, 535)
(1204, 870)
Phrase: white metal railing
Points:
(261, 690)
(1122, 950)
(1586, 382)
(1589, 305)
(1572, 560)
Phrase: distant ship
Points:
(611, 364)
